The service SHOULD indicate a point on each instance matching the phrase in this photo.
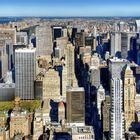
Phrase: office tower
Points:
(25, 72)
(61, 112)
(116, 112)
(100, 99)
(115, 49)
(64, 32)
(64, 81)
(80, 39)
(121, 26)
(137, 25)
(116, 67)
(61, 43)
(115, 27)
(94, 78)
(95, 31)
(43, 40)
(21, 38)
(106, 115)
(51, 85)
(95, 61)
(70, 64)
(124, 45)
(8, 33)
(129, 97)
(3, 58)
(120, 44)
(91, 41)
(75, 102)
(57, 32)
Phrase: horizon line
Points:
(30, 16)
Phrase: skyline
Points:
(70, 8)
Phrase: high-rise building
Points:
(80, 39)
(8, 33)
(116, 112)
(57, 32)
(106, 115)
(44, 44)
(51, 89)
(120, 44)
(138, 25)
(70, 64)
(115, 49)
(25, 72)
(129, 97)
(121, 25)
(3, 58)
(75, 102)
(21, 38)
(116, 67)
(100, 99)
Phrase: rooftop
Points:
(27, 50)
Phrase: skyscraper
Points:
(70, 64)
(100, 99)
(25, 72)
(120, 44)
(129, 97)
(43, 40)
(116, 113)
(75, 100)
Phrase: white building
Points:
(116, 113)
(100, 99)
(137, 25)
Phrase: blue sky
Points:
(69, 7)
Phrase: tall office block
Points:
(100, 99)
(106, 115)
(80, 39)
(70, 64)
(116, 112)
(57, 32)
(120, 44)
(129, 97)
(121, 26)
(137, 25)
(8, 33)
(115, 49)
(21, 38)
(43, 40)
(25, 72)
(75, 100)
(116, 67)
(3, 58)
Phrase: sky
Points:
(69, 7)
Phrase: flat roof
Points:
(27, 50)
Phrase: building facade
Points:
(116, 112)
(25, 73)
(129, 97)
